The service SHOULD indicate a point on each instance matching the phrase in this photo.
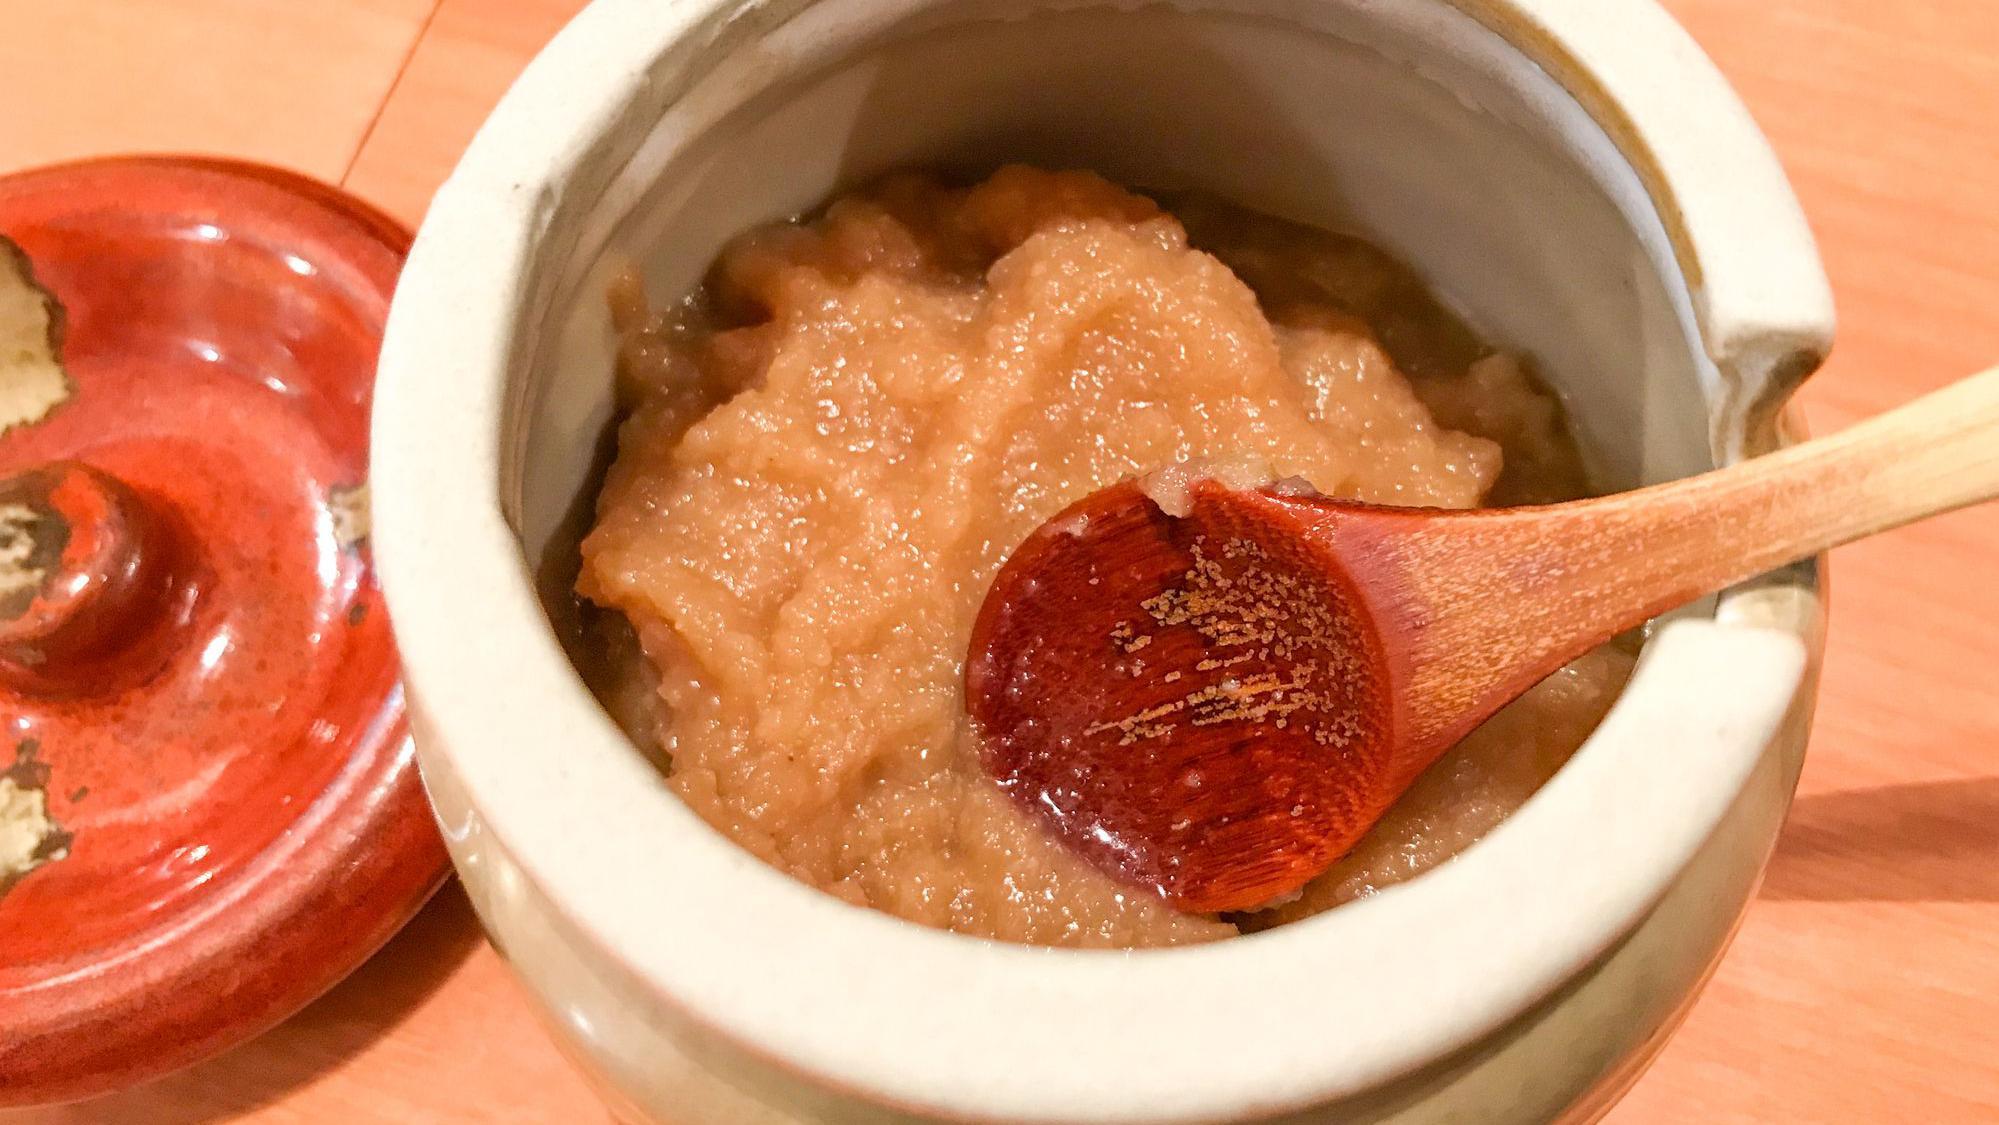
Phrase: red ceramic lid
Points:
(209, 807)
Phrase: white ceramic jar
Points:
(1571, 174)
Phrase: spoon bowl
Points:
(1199, 703)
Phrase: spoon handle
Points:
(1509, 595)
(1923, 458)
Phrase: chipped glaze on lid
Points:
(209, 810)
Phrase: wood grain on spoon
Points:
(1218, 704)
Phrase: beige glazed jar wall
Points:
(1571, 174)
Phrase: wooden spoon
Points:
(1218, 703)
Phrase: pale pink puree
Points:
(830, 452)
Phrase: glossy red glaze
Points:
(220, 732)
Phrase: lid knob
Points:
(82, 573)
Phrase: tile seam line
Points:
(388, 95)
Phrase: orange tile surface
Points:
(288, 82)
(470, 54)
(1865, 983)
